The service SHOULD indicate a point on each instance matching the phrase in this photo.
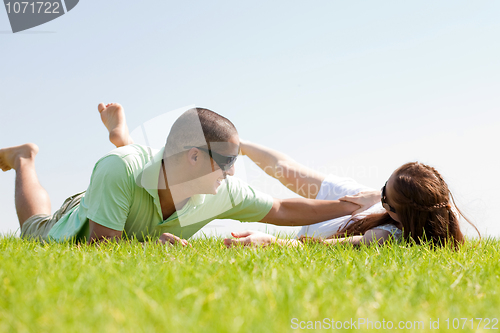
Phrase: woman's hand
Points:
(364, 199)
(311, 240)
(249, 238)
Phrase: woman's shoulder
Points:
(395, 231)
(334, 187)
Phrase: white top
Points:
(334, 188)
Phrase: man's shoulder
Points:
(134, 150)
(134, 156)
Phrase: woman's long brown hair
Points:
(424, 205)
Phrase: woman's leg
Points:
(295, 176)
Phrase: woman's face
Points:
(386, 196)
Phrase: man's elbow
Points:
(274, 216)
(93, 239)
(99, 233)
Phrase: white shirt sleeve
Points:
(334, 188)
(396, 233)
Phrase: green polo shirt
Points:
(123, 195)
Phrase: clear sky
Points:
(348, 87)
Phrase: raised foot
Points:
(113, 117)
(9, 157)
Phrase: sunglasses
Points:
(383, 198)
(223, 161)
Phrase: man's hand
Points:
(364, 199)
(167, 238)
(249, 238)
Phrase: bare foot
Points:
(9, 157)
(113, 117)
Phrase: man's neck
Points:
(169, 203)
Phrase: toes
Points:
(101, 107)
(4, 166)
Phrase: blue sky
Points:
(355, 88)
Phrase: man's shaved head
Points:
(198, 127)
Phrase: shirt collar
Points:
(148, 179)
(197, 199)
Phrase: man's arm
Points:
(98, 233)
(299, 211)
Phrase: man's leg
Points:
(30, 197)
(113, 117)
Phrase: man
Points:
(168, 195)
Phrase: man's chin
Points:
(216, 189)
(217, 186)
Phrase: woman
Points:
(416, 204)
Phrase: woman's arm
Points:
(295, 176)
(371, 236)
(257, 238)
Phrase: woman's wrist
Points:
(243, 146)
(348, 207)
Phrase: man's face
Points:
(213, 175)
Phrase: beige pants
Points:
(38, 226)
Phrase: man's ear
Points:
(193, 156)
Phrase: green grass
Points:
(127, 287)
